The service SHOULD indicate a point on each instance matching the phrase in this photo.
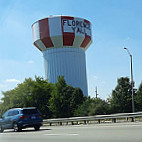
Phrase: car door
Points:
(15, 116)
(7, 120)
(4, 120)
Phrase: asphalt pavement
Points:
(119, 132)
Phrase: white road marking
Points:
(107, 126)
(61, 134)
(13, 133)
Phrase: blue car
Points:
(20, 118)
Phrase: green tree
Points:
(138, 104)
(121, 98)
(92, 106)
(30, 93)
(3, 109)
(40, 93)
(77, 98)
(64, 99)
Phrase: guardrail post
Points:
(72, 123)
(127, 118)
(60, 123)
(132, 119)
(114, 120)
(67, 123)
(50, 124)
(99, 121)
(84, 121)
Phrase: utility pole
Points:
(96, 93)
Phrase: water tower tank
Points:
(63, 41)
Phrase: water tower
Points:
(63, 41)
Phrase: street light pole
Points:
(132, 82)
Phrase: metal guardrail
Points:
(98, 118)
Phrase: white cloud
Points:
(30, 62)
(2, 86)
(12, 81)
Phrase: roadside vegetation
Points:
(60, 100)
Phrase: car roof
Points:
(29, 108)
(23, 108)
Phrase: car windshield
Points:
(30, 111)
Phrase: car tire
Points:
(37, 128)
(16, 128)
(1, 129)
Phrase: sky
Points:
(115, 24)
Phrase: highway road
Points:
(119, 132)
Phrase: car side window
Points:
(5, 114)
(10, 113)
(15, 112)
